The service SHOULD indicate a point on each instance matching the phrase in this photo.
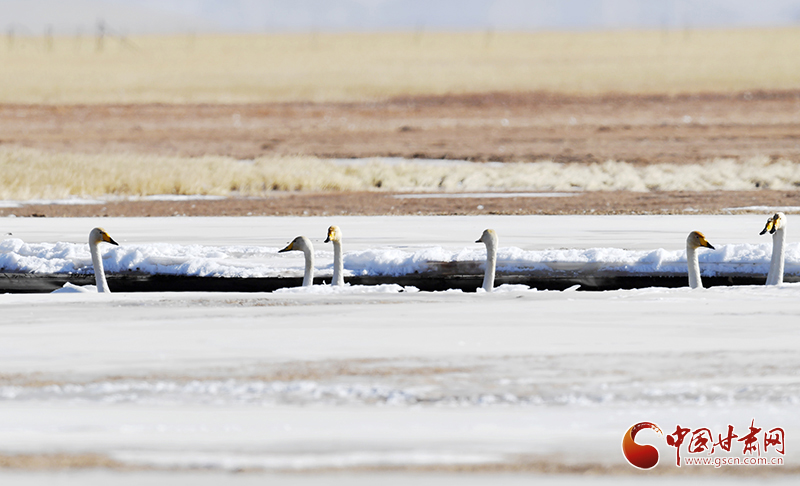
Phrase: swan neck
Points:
(694, 268)
(491, 265)
(308, 276)
(99, 271)
(338, 264)
(775, 275)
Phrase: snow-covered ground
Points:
(248, 247)
(516, 381)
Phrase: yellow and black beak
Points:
(769, 227)
(702, 241)
(109, 239)
(328, 238)
(288, 248)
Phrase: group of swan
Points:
(776, 226)
(301, 243)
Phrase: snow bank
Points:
(258, 261)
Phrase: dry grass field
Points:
(32, 174)
(363, 67)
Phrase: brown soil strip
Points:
(492, 126)
(374, 203)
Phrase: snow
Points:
(7, 203)
(766, 209)
(408, 245)
(68, 201)
(312, 379)
(70, 288)
(348, 289)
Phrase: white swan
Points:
(335, 237)
(489, 237)
(776, 225)
(96, 236)
(301, 243)
(694, 241)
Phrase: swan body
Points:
(694, 241)
(301, 243)
(489, 237)
(97, 236)
(335, 237)
(776, 225)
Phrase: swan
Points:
(694, 241)
(301, 243)
(96, 236)
(489, 237)
(335, 237)
(776, 225)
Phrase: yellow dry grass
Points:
(337, 67)
(33, 174)
(27, 174)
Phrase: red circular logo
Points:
(638, 455)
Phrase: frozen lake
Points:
(519, 382)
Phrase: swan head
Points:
(697, 239)
(334, 234)
(301, 243)
(99, 235)
(775, 223)
(489, 237)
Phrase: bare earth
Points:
(483, 127)
(373, 203)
